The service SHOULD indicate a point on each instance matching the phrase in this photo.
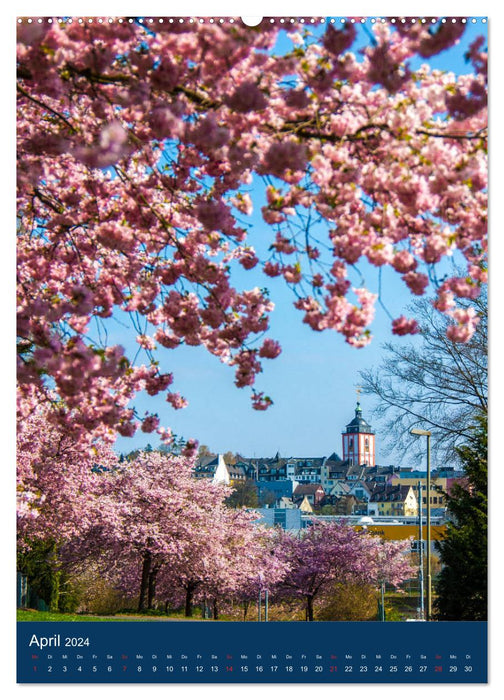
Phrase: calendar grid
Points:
(243, 653)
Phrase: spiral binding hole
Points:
(248, 21)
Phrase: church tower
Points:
(359, 441)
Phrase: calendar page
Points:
(252, 349)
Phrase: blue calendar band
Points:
(251, 652)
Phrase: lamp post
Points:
(427, 433)
(420, 553)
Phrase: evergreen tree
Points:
(462, 583)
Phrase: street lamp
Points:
(427, 433)
(420, 553)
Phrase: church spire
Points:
(359, 439)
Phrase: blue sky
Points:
(312, 383)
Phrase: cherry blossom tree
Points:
(211, 561)
(140, 145)
(57, 500)
(327, 553)
(155, 515)
(222, 561)
(161, 532)
(266, 568)
(250, 564)
(57, 494)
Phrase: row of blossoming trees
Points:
(159, 535)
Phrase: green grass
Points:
(37, 616)
(400, 607)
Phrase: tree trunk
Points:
(309, 608)
(144, 584)
(215, 610)
(152, 586)
(55, 592)
(189, 589)
(55, 579)
(246, 604)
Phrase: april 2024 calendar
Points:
(207, 183)
(221, 652)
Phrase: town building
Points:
(393, 500)
(351, 484)
(313, 493)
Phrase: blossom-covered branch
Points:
(138, 144)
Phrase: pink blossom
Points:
(111, 147)
(164, 123)
(249, 260)
(285, 156)
(146, 342)
(126, 428)
(270, 348)
(166, 75)
(149, 424)
(247, 367)
(385, 69)
(403, 261)
(176, 400)
(214, 215)
(209, 134)
(447, 34)
(271, 216)
(260, 402)
(463, 287)
(166, 339)
(247, 98)
(405, 326)
(292, 274)
(165, 435)
(295, 37)
(338, 41)
(434, 249)
(297, 99)
(445, 301)
(416, 281)
(283, 245)
(459, 334)
(272, 269)
(243, 203)
(466, 321)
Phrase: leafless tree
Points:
(433, 384)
